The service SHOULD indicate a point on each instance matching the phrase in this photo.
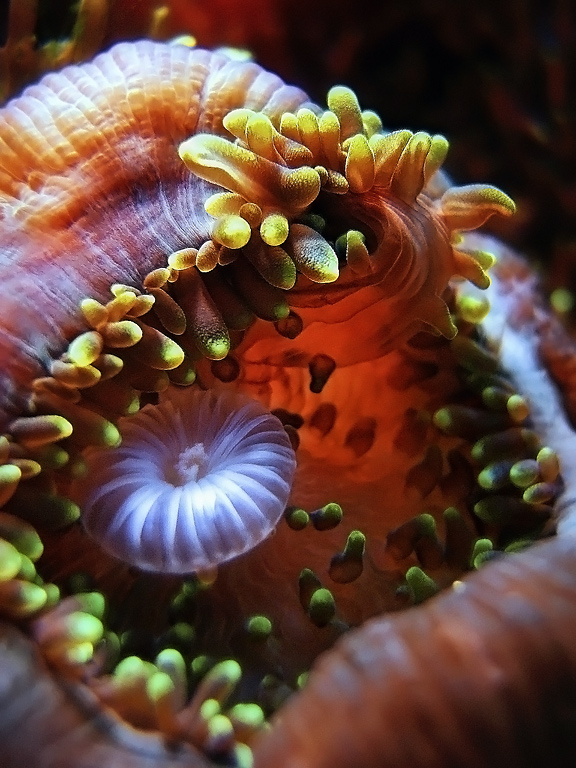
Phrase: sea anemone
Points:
(259, 246)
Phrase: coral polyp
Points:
(196, 481)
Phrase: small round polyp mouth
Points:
(198, 479)
(190, 466)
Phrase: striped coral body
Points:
(92, 189)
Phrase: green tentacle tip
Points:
(296, 518)
(10, 560)
(214, 345)
(227, 672)
(302, 679)
(21, 599)
(540, 493)
(171, 661)
(80, 581)
(500, 199)
(519, 545)
(452, 513)
(426, 524)
(21, 535)
(322, 607)
(445, 420)
(181, 635)
(518, 408)
(200, 665)
(111, 437)
(159, 686)
(525, 473)
(421, 585)
(472, 309)
(27, 570)
(495, 397)
(243, 755)
(259, 628)
(56, 512)
(495, 475)
(93, 603)
(482, 552)
(472, 356)
(209, 709)
(308, 583)
(83, 627)
(217, 349)
(132, 667)
(355, 544)
(328, 517)
(348, 565)
(220, 735)
(247, 717)
(548, 463)
(562, 300)
(52, 595)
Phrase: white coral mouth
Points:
(198, 479)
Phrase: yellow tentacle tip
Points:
(344, 103)
(469, 207)
(192, 151)
(353, 244)
(436, 155)
(471, 268)
(187, 40)
(231, 231)
(260, 135)
(313, 255)
(408, 178)
(216, 159)
(436, 313)
(274, 229)
(360, 167)
(236, 121)
(301, 186)
(498, 201)
(372, 122)
(223, 203)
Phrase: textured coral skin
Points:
(78, 737)
(476, 678)
(46, 224)
(88, 159)
(483, 676)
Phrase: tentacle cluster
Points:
(276, 170)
